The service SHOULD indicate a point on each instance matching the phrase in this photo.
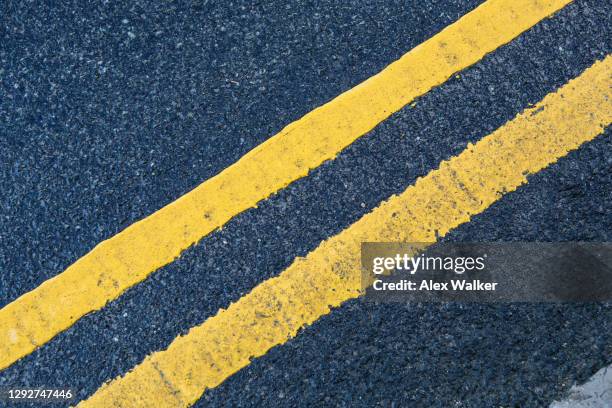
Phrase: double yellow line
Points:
(277, 308)
(447, 197)
(130, 256)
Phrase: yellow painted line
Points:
(276, 309)
(130, 256)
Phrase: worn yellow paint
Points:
(130, 256)
(275, 310)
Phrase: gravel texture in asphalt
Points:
(111, 113)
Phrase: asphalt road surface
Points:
(108, 112)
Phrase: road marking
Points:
(276, 309)
(129, 257)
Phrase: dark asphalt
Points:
(76, 169)
(456, 355)
(110, 111)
